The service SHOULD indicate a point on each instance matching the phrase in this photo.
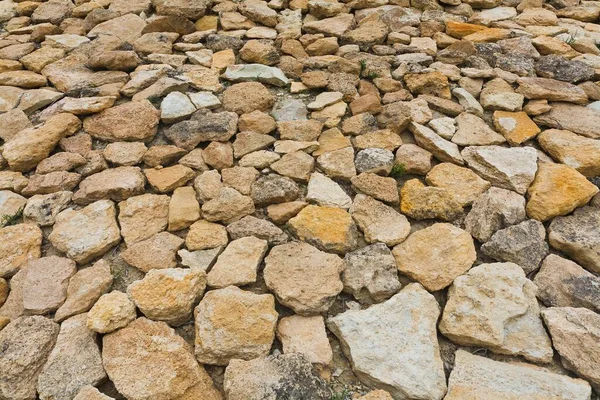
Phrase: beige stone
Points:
(462, 183)
(239, 262)
(112, 311)
(307, 336)
(206, 235)
(142, 216)
(184, 209)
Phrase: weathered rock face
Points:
(168, 294)
(282, 376)
(292, 268)
(112, 311)
(115, 184)
(74, 362)
(472, 316)
(45, 284)
(379, 222)
(26, 344)
(307, 336)
(558, 190)
(573, 332)
(87, 233)
(18, 244)
(234, 324)
(142, 216)
(475, 377)
(378, 340)
(435, 256)
(170, 369)
(132, 121)
(577, 236)
(158, 252)
(238, 264)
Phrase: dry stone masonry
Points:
(299, 200)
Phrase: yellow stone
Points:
(557, 190)
(328, 228)
(208, 22)
(516, 127)
(222, 59)
(330, 140)
(433, 83)
(489, 35)
(462, 29)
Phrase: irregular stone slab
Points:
(576, 151)
(441, 148)
(475, 377)
(574, 333)
(326, 192)
(494, 306)
(127, 28)
(91, 393)
(115, 184)
(379, 222)
(170, 369)
(45, 284)
(168, 295)
(85, 288)
(229, 206)
(87, 233)
(508, 168)
(494, 210)
(436, 255)
(201, 259)
(523, 244)
(256, 72)
(328, 228)
(389, 345)
(238, 263)
(18, 244)
(203, 127)
(584, 121)
(563, 283)
(277, 376)
(234, 324)
(13, 306)
(473, 131)
(292, 268)
(335, 26)
(26, 344)
(30, 146)
(245, 97)
(157, 252)
(11, 203)
(338, 164)
(551, 90)
(74, 362)
(259, 228)
(371, 274)
(424, 202)
(184, 209)
(577, 235)
(206, 235)
(307, 336)
(381, 188)
(135, 120)
(464, 184)
(273, 188)
(112, 311)
(516, 127)
(143, 216)
(557, 190)
(165, 180)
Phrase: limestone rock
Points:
(45, 284)
(234, 324)
(523, 244)
(87, 233)
(26, 344)
(168, 294)
(423, 202)
(379, 222)
(165, 180)
(84, 289)
(494, 305)
(325, 192)
(184, 209)
(112, 311)
(256, 72)
(292, 268)
(328, 228)
(157, 252)
(18, 244)
(74, 362)
(243, 98)
(229, 206)
(507, 168)
(142, 216)
(479, 377)
(435, 256)
(581, 120)
(89, 392)
(494, 210)
(258, 228)
(516, 127)
(563, 283)
(557, 190)
(576, 151)
(573, 332)
(169, 366)
(463, 183)
(441, 148)
(285, 375)
(381, 188)
(378, 340)
(577, 236)
(136, 120)
(239, 262)
(206, 235)
(273, 188)
(473, 131)
(115, 184)
(306, 336)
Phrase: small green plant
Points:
(363, 66)
(372, 75)
(398, 170)
(343, 395)
(8, 220)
